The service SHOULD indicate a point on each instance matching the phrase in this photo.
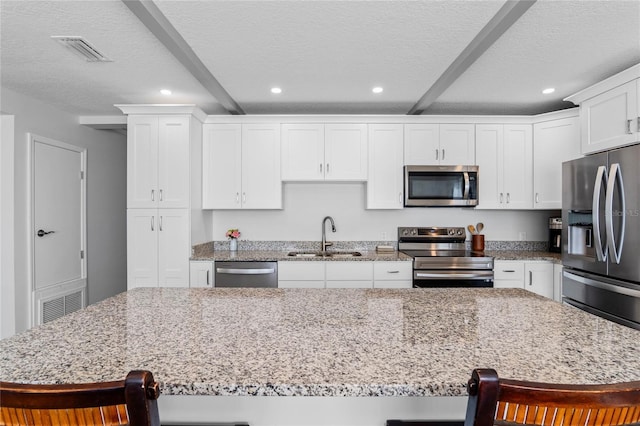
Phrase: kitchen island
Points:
(321, 357)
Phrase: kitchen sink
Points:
(336, 254)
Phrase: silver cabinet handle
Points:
(601, 176)
(320, 168)
(508, 270)
(153, 195)
(236, 271)
(443, 154)
(508, 197)
(501, 198)
(638, 124)
(327, 168)
(615, 175)
(152, 223)
(161, 195)
(400, 198)
(160, 227)
(393, 272)
(629, 127)
(537, 198)
(530, 278)
(437, 153)
(244, 197)
(208, 277)
(237, 197)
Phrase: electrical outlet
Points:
(522, 236)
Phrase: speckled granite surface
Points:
(346, 342)
(524, 255)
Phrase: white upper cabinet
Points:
(336, 152)
(385, 183)
(439, 144)
(554, 142)
(241, 166)
(158, 161)
(504, 156)
(610, 112)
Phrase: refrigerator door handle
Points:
(615, 176)
(601, 249)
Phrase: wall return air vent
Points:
(82, 48)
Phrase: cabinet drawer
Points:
(301, 271)
(300, 284)
(349, 270)
(393, 271)
(506, 270)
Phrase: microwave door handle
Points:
(601, 175)
(465, 196)
(615, 176)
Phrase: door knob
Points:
(42, 233)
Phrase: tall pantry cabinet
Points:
(163, 193)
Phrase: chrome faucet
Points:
(326, 244)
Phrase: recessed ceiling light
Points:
(548, 91)
(276, 90)
(165, 92)
(377, 89)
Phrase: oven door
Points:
(437, 278)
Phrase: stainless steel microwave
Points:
(441, 186)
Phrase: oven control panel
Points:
(431, 233)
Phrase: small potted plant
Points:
(233, 235)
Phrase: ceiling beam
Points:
(508, 14)
(149, 14)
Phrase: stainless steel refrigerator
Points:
(601, 234)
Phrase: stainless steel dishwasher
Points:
(246, 274)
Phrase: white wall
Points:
(305, 204)
(7, 275)
(106, 196)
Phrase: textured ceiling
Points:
(326, 55)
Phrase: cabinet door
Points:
(385, 182)
(221, 166)
(609, 120)
(301, 274)
(142, 161)
(554, 142)
(422, 144)
(508, 274)
(173, 248)
(345, 152)
(261, 182)
(392, 274)
(173, 161)
(557, 282)
(457, 144)
(517, 166)
(539, 278)
(201, 274)
(489, 141)
(302, 152)
(142, 248)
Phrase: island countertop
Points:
(323, 342)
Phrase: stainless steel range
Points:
(441, 259)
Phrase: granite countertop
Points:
(524, 255)
(327, 342)
(279, 255)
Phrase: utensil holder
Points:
(477, 242)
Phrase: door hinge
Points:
(81, 174)
(81, 254)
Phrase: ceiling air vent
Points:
(82, 48)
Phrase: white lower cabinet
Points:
(201, 274)
(392, 274)
(535, 276)
(349, 274)
(158, 248)
(557, 282)
(301, 274)
(508, 274)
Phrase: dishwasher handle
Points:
(239, 271)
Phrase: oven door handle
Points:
(465, 196)
(454, 276)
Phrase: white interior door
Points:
(58, 205)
